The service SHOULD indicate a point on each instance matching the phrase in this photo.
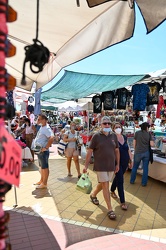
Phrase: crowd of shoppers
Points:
(110, 150)
(112, 157)
(43, 138)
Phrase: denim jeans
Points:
(144, 157)
(118, 183)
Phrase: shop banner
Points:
(10, 158)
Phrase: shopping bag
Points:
(83, 152)
(62, 147)
(84, 184)
(33, 144)
(35, 147)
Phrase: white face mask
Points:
(72, 127)
(118, 131)
(107, 130)
(40, 124)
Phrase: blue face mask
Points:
(107, 130)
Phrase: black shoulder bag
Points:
(150, 153)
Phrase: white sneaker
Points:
(41, 186)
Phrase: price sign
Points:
(10, 158)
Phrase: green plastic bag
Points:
(84, 184)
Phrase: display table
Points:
(26, 153)
(157, 170)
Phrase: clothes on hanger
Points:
(140, 92)
(153, 95)
(108, 99)
(31, 99)
(30, 108)
(122, 95)
(37, 109)
(163, 85)
(97, 103)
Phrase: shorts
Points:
(43, 159)
(104, 176)
(70, 152)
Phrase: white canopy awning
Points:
(72, 33)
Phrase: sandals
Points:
(37, 183)
(70, 175)
(124, 206)
(111, 215)
(94, 200)
(114, 195)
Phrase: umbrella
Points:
(153, 12)
(72, 33)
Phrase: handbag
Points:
(84, 184)
(150, 154)
(35, 148)
(79, 141)
(62, 147)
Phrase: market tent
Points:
(75, 85)
(87, 106)
(70, 106)
(72, 33)
(51, 108)
(62, 109)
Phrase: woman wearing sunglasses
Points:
(125, 157)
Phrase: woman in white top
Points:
(30, 132)
(72, 150)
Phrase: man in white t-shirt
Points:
(44, 139)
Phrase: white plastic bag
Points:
(83, 152)
(33, 144)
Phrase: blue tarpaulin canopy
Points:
(74, 85)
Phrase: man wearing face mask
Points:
(125, 156)
(43, 140)
(72, 149)
(105, 149)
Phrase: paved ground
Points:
(62, 217)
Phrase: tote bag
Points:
(62, 147)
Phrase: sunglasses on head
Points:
(106, 123)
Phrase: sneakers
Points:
(41, 186)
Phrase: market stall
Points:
(157, 170)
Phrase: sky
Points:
(141, 54)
